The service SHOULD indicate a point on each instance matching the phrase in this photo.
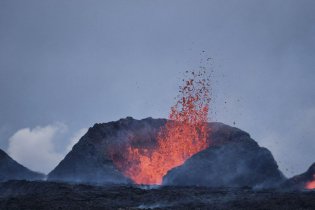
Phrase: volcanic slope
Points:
(10, 169)
(302, 181)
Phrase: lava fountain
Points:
(184, 134)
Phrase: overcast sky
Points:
(65, 65)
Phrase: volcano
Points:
(232, 158)
(183, 150)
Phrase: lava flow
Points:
(310, 185)
(184, 134)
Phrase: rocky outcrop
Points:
(12, 170)
(91, 159)
(233, 160)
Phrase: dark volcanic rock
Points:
(24, 195)
(10, 169)
(90, 160)
(299, 181)
(234, 160)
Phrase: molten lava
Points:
(184, 134)
(310, 185)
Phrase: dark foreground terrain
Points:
(51, 195)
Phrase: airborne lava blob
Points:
(184, 134)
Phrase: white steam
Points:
(36, 148)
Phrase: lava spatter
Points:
(184, 134)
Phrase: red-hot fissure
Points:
(184, 134)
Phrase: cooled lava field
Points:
(53, 195)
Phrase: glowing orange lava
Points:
(184, 134)
(310, 185)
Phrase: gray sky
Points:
(65, 65)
